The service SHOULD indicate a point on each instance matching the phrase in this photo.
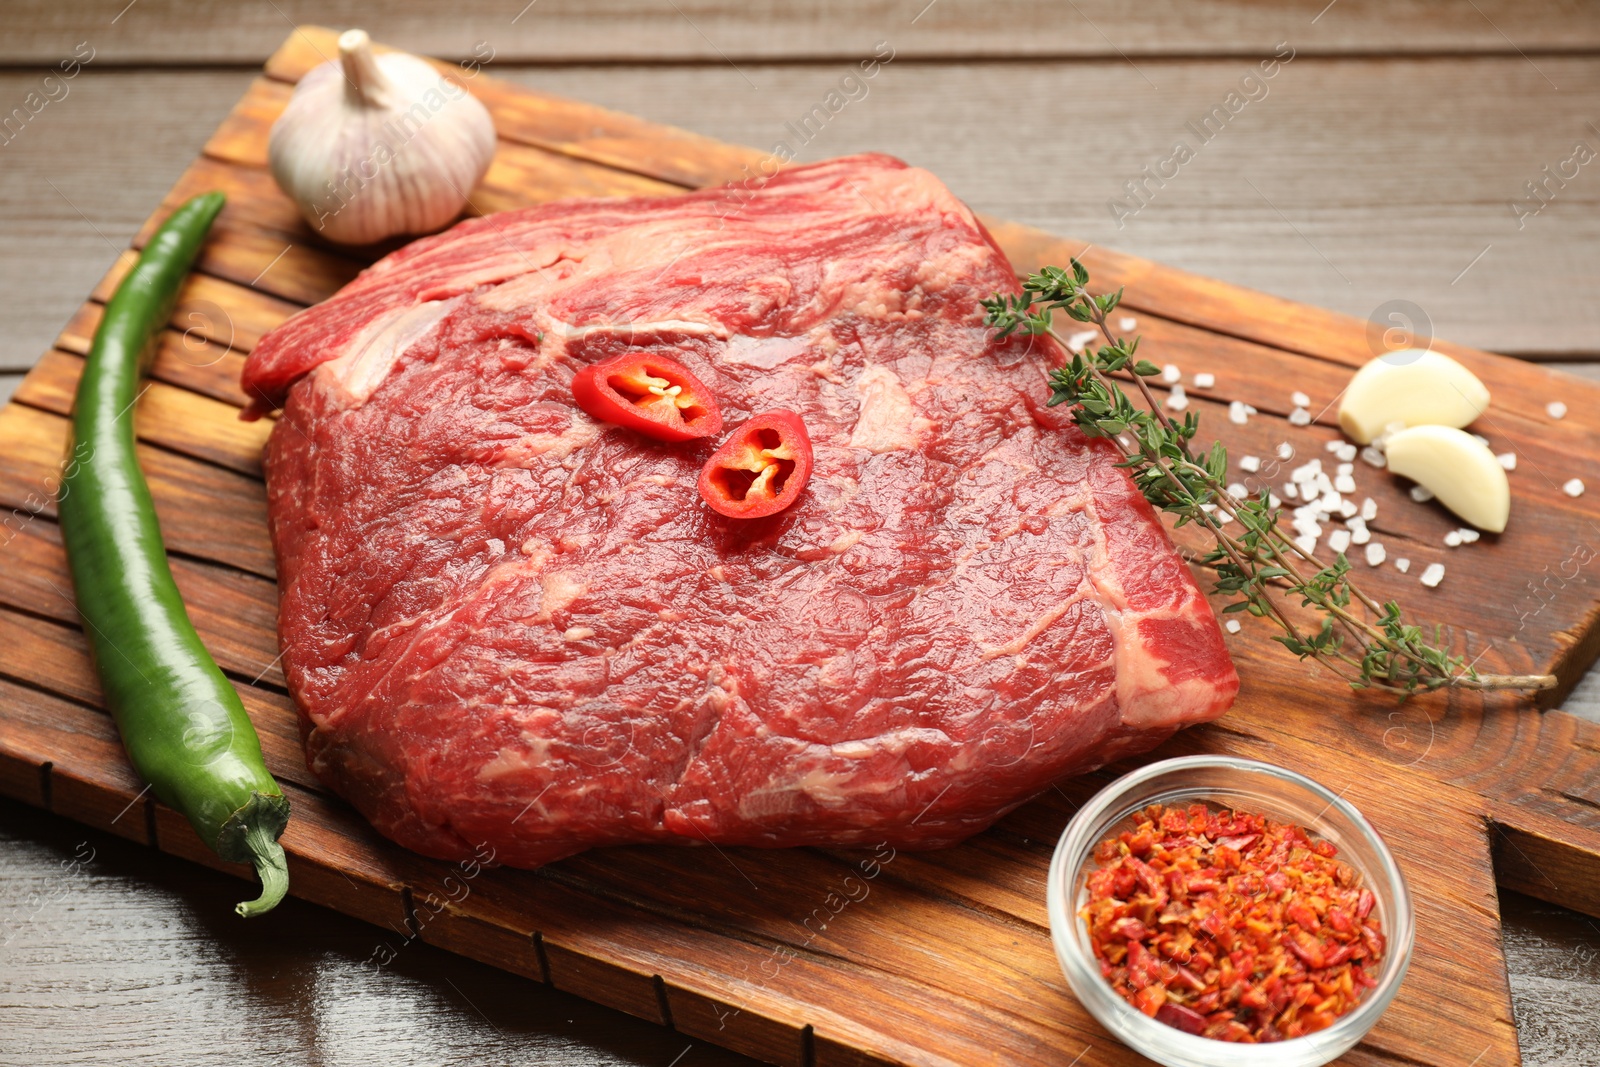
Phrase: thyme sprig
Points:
(1367, 643)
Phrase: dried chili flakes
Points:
(1230, 925)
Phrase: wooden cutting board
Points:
(811, 956)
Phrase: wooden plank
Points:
(81, 176)
(233, 612)
(205, 512)
(55, 657)
(182, 420)
(556, 31)
(1395, 232)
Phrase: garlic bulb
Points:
(376, 145)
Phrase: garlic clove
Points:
(1462, 474)
(374, 145)
(1417, 387)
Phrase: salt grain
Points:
(1347, 509)
(1573, 487)
(1345, 484)
(1421, 494)
(1308, 545)
(1375, 554)
(1285, 450)
(1290, 492)
(1237, 489)
(1338, 540)
(1300, 399)
(1346, 451)
(1360, 535)
(1433, 574)
(1556, 409)
(1306, 472)
(1373, 456)
(1250, 464)
(1232, 626)
(1508, 460)
(1468, 535)
(1170, 373)
(1204, 380)
(1177, 400)
(1300, 417)
(1239, 412)
(1080, 340)
(1369, 509)
(1482, 440)
(1453, 538)
(1402, 564)
(1127, 322)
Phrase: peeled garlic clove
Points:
(1417, 387)
(371, 146)
(1463, 474)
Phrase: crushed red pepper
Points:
(1230, 925)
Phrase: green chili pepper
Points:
(182, 723)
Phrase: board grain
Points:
(947, 958)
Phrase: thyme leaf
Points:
(1260, 569)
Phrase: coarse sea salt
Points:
(1345, 484)
(1574, 487)
(1508, 460)
(1369, 509)
(1338, 540)
(1239, 412)
(1402, 564)
(1127, 322)
(1375, 554)
(1333, 445)
(1285, 450)
(1453, 538)
(1360, 535)
(1250, 464)
(1556, 409)
(1238, 489)
(1080, 340)
(1232, 626)
(1300, 417)
(1300, 399)
(1170, 373)
(1421, 494)
(1346, 451)
(1468, 535)
(1177, 400)
(1290, 492)
(1432, 574)
(1374, 457)
(1308, 545)
(1204, 380)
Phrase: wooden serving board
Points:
(812, 956)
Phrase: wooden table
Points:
(1379, 165)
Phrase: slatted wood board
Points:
(812, 956)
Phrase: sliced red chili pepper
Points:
(652, 394)
(760, 469)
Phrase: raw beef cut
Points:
(506, 624)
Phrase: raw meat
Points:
(506, 624)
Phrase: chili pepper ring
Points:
(185, 730)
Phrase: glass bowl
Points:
(1247, 786)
